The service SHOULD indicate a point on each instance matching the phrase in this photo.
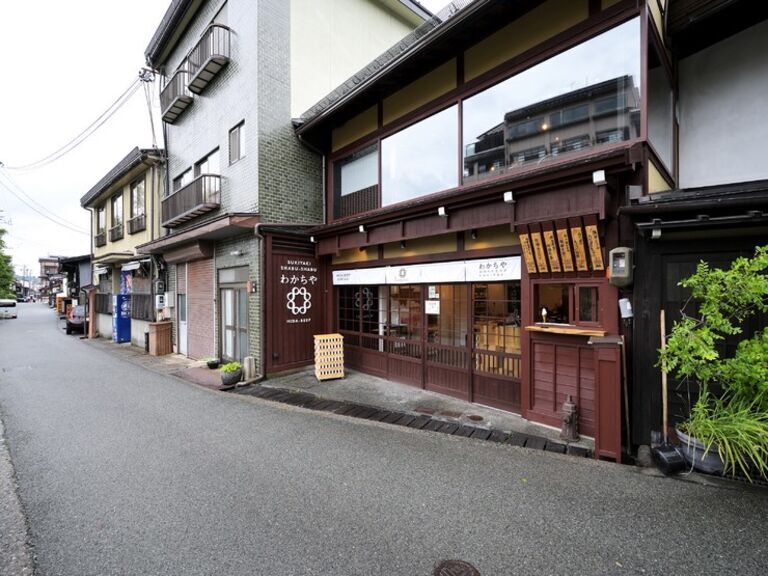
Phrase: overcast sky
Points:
(64, 63)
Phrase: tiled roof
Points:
(133, 159)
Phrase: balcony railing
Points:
(208, 57)
(100, 239)
(137, 224)
(175, 97)
(201, 195)
(116, 233)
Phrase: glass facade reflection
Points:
(584, 97)
(580, 99)
(421, 159)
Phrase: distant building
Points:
(121, 205)
(50, 281)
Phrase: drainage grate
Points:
(455, 568)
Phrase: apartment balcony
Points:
(116, 233)
(201, 195)
(208, 57)
(100, 239)
(137, 224)
(175, 97)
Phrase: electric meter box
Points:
(159, 301)
(620, 266)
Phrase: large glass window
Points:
(421, 159)
(356, 182)
(660, 109)
(446, 314)
(496, 317)
(557, 106)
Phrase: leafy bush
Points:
(736, 423)
(231, 367)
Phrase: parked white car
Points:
(7, 308)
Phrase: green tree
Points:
(6, 270)
(735, 422)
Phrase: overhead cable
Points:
(51, 213)
(82, 136)
(40, 212)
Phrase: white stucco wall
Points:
(138, 327)
(333, 39)
(104, 325)
(723, 111)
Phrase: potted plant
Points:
(212, 363)
(727, 429)
(231, 373)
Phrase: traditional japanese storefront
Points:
(451, 327)
(511, 133)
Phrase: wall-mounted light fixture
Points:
(236, 253)
(361, 229)
(655, 233)
(598, 178)
(442, 212)
(402, 243)
(312, 239)
(473, 234)
(509, 197)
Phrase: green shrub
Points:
(736, 422)
(231, 367)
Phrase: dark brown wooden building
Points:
(482, 175)
(474, 178)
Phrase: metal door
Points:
(181, 308)
(234, 323)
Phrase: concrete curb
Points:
(409, 419)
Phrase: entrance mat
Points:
(419, 421)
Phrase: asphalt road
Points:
(124, 471)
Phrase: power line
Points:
(43, 214)
(38, 204)
(82, 136)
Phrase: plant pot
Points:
(693, 451)
(230, 379)
(213, 364)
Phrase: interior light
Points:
(544, 126)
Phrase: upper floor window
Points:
(208, 165)
(182, 179)
(101, 220)
(237, 142)
(591, 88)
(356, 182)
(137, 198)
(117, 209)
(421, 159)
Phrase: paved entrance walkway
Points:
(359, 389)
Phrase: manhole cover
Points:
(455, 568)
(475, 417)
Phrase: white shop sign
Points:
(432, 306)
(485, 270)
(359, 276)
(493, 269)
